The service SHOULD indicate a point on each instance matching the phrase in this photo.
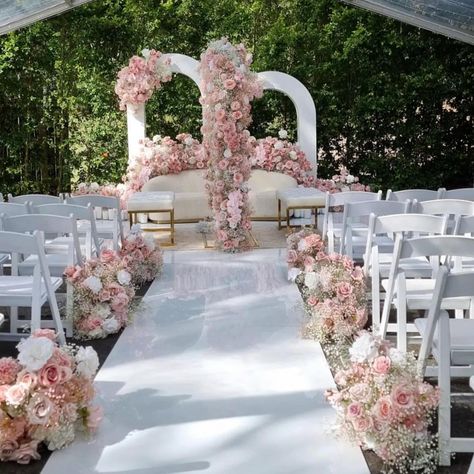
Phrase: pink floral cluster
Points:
(342, 182)
(335, 296)
(162, 156)
(384, 405)
(143, 75)
(141, 256)
(273, 154)
(302, 249)
(46, 396)
(103, 294)
(228, 88)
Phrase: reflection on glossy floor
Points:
(212, 377)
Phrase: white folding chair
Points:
(451, 207)
(377, 262)
(415, 294)
(85, 216)
(107, 229)
(29, 291)
(451, 342)
(35, 199)
(464, 226)
(412, 194)
(332, 229)
(467, 194)
(356, 215)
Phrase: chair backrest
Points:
(419, 194)
(448, 285)
(15, 242)
(461, 193)
(95, 200)
(35, 199)
(464, 225)
(13, 209)
(431, 246)
(48, 224)
(357, 210)
(79, 213)
(452, 207)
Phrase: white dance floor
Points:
(214, 378)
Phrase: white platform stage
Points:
(214, 378)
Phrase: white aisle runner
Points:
(213, 378)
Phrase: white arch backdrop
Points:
(272, 80)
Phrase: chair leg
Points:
(444, 383)
(375, 303)
(401, 315)
(287, 219)
(279, 214)
(172, 226)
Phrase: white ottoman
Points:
(154, 201)
(300, 198)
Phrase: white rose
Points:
(123, 277)
(87, 361)
(311, 280)
(293, 155)
(364, 348)
(188, 141)
(110, 326)
(102, 310)
(227, 153)
(34, 352)
(146, 53)
(95, 187)
(278, 145)
(93, 283)
(396, 356)
(350, 179)
(283, 134)
(293, 273)
(302, 245)
(157, 138)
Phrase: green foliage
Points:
(394, 103)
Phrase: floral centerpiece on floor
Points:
(46, 396)
(335, 297)
(143, 75)
(141, 256)
(382, 404)
(302, 250)
(228, 88)
(103, 294)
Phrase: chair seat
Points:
(419, 292)
(57, 263)
(417, 267)
(17, 290)
(462, 340)
(60, 244)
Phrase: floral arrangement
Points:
(382, 404)
(280, 155)
(103, 294)
(303, 247)
(142, 258)
(162, 156)
(143, 75)
(228, 88)
(335, 297)
(342, 182)
(46, 396)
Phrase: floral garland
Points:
(46, 396)
(303, 248)
(103, 294)
(142, 258)
(228, 88)
(143, 75)
(383, 404)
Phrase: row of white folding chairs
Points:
(106, 228)
(466, 194)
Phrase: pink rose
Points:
(359, 391)
(107, 256)
(292, 256)
(15, 395)
(220, 114)
(104, 295)
(229, 84)
(313, 301)
(119, 302)
(237, 115)
(52, 374)
(28, 379)
(48, 333)
(402, 397)
(7, 448)
(9, 369)
(354, 410)
(382, 364)
(308, 263)
(3, 389)
(235, 105)
(383, 408)
(362, 424)
(39, 409)
(314, 240)
(344, 290)
(357, 274)
(26, 452)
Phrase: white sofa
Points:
(191, 198)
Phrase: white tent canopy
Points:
(16, 14)
(453, 18)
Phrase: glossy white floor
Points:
(213, 377)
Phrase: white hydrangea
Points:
(227, 153)
(123, 277)
(102, 310)
(350, 179)
(364, 348)
(60, 437)
(94, 187)
(110, 326)
(87, 361)
(311, 280)
(34, 352)
(93, 283)
(283, 134)
(396, 356)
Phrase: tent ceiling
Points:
(453, 18)
(16, 14)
